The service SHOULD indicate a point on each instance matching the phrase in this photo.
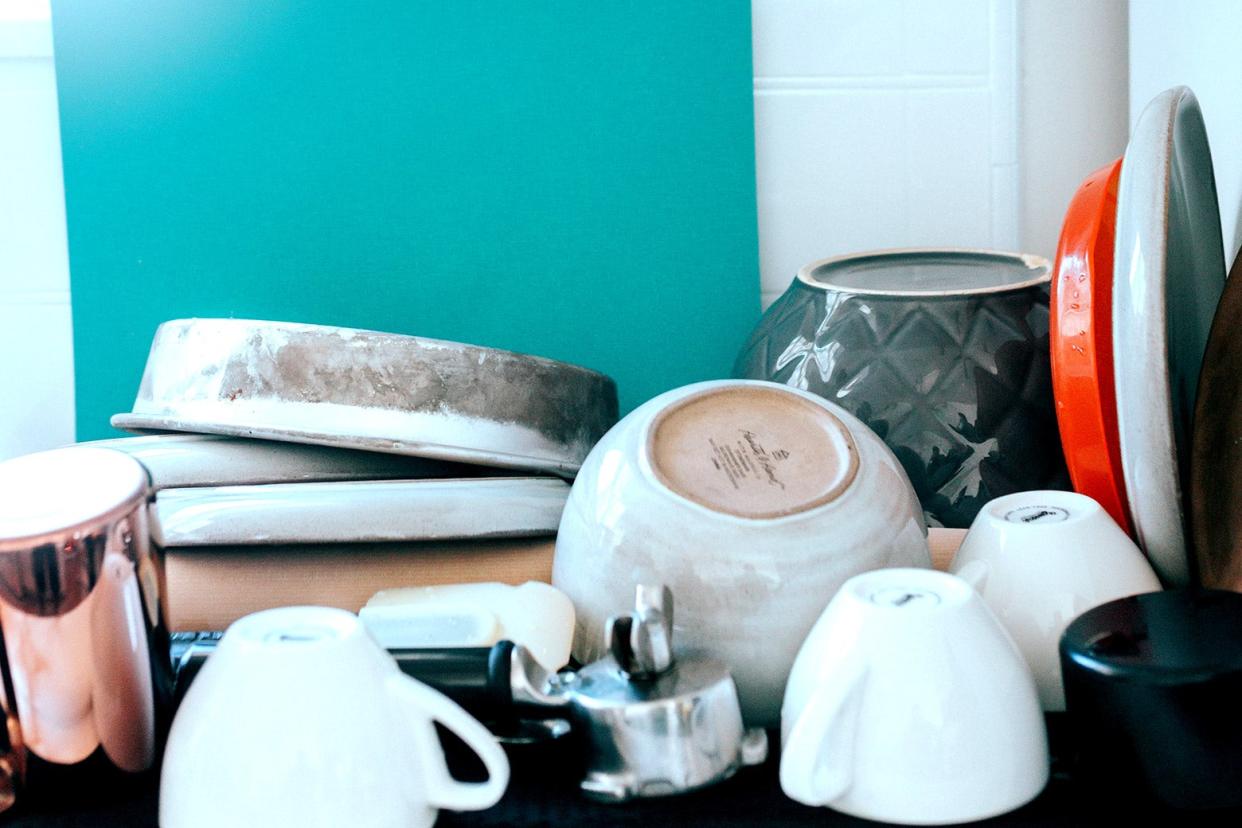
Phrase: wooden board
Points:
(211, 587)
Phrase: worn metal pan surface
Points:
(370, 390)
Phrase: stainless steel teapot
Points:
(654, 724)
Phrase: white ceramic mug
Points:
(1041, 559)
(909, 703)
(299, 718)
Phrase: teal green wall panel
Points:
(571, 179)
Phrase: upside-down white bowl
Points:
(754, 502)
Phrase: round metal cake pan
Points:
(369, 390)
(183, 461)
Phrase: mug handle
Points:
(443, 791)
(817, 758)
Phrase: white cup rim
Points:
(297, 627)
(908, 590)
(1040, 510)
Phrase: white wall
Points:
(1074, 106)
(36, 354)
(1196, 44)
(883, 123)
(900, 123)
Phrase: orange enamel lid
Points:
(1081, 334)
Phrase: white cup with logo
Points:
(1040, 559)
(908, 703)
(300, 719)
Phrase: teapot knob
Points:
(642, 641)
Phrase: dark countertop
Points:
(535, 798)
(751, 798)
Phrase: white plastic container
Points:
(535, 615)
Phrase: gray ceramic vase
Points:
(943, 353)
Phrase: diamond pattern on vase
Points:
(959, 387)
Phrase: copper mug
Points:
(84, 665)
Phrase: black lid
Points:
(1185, 635)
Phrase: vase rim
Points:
(927, 272)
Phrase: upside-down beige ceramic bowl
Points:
(753, 502)
(369, 390)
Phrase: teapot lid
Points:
(641, 666)
(605, 684)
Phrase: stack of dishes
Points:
(1139, 274)
(311, 464)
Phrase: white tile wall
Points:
(948, 168)
(822, 179)
(882, 123)
(36, 353)
(32, 216)
(1074, 71)
(1196, 44)
(947, 37)
(36, 361)
(825, 38)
